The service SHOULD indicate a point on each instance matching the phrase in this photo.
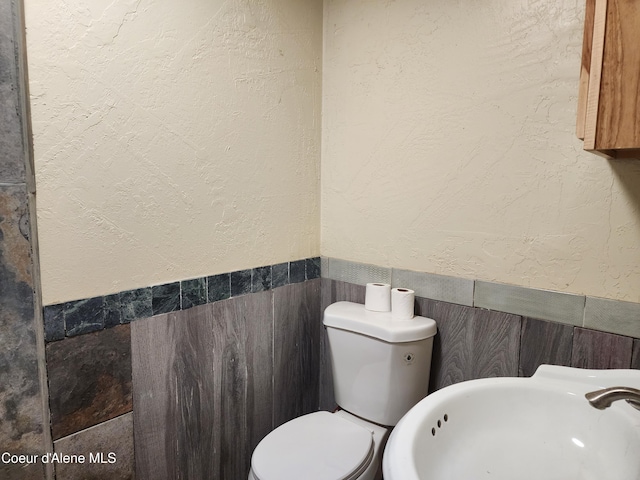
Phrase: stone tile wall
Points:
(92, 314)
(23, 416)
(107, 450)
(89, 379)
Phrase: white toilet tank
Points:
(380, 366)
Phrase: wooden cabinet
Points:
(609, 94)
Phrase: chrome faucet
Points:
(602, 399)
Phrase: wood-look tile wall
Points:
(593, 349)
(544, 342)
(296, 356)
(635, 357)
(210, 382)
(471, 342)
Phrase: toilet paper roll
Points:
(378, 297)
(402, 301)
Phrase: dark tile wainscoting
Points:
(207, 381)
(208, 367)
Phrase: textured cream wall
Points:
(172, 139)
(449, 147)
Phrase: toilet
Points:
(380, 370)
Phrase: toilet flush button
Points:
(408, 358)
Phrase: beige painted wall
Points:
(449, 147)
(172, 139)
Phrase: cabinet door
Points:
(585, 68)
(612, 109)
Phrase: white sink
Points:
(538, 428)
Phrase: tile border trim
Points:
(550, 305)
(87, 315)
(607, 315)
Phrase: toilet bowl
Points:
(321, 446)
(380, 370)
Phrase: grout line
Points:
(473, 294)
(273, 361)
(97, 425)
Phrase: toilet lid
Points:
(318, 446)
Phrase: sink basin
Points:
(537, 428)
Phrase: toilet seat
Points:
(318, 446)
